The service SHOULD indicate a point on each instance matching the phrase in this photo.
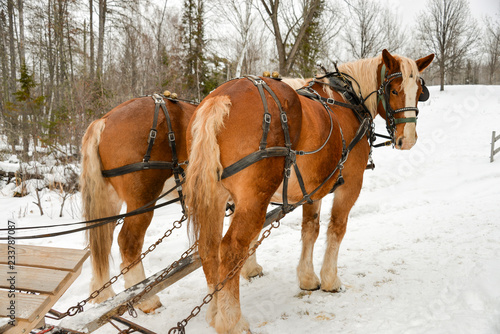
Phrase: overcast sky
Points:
(409, 9)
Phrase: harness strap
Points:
(153, 132)
(177, 170)
(137, 167)
(252, 158)
(330, 101)
(266, 122)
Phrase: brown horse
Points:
(121, 138)
(228, 126)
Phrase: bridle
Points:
(383, 95)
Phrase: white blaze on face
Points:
(410, 134)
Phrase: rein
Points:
(174, 165)
(98, 222)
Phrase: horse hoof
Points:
(150, 305)
(314, 288)
(308, 281)
(340, 289)
(260, 274)
(255, 272)
(241, 327)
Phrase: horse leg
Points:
(251, 268)
(208, 247)
(345, 197)
(310, 230)
(247, 223)
(131, 240)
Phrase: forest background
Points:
(65, 63)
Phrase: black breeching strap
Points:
(177, 170)
(288, 153)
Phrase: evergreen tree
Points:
(27, 109)
(193, 40)
(310, 46)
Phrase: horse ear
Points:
(422, 63)
(389, 61)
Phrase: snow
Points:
(421, 253)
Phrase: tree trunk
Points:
(441, 75)
(3, 59)
(14, 139)
(22, 57)
(286, 60)
(12, 50)
(240, 59)
(100, 43)
(91, 33)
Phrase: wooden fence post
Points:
(494, 138)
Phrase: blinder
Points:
(424, 96)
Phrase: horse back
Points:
(124, 139)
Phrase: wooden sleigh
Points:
(30, 288)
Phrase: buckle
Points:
(267, 118)
(152, 134)
(288, 172)
(258, 81)
(158, 99)
(330, 100)
(171, 136)
(284, 119)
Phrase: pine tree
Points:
(194, 47)
(310, 46)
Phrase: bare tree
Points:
(294, 21)
(446, 29)
(371, 29)
(238, 13)
(491, 44)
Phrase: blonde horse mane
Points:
(296, 83)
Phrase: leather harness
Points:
(174, 165)
(287, 151)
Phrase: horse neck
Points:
(365, 72)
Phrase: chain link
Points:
(79, 307)
(161, 277)
(180, 328)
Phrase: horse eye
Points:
(394, 92)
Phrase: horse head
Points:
(401, 87)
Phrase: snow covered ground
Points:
(421, 253)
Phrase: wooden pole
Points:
(93, 318)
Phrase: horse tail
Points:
(203, 189)
(99, 200)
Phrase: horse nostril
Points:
(400, 142)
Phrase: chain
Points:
(180, 328)
(79, 307)
(159, 279)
